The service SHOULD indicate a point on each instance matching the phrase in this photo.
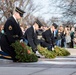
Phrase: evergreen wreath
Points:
(23, 52)
(58, 51)
(61, 51)
(45, 52)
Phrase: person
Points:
(72, 37)
(31, 35)
(55, 32)
(67, 36)
(12, 32)
(47, 39)
(1, 32)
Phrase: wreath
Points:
(58, 51)
(23, 52)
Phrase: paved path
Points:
(72, 50)
(57, 66)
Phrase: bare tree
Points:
(69, 7)
(67, 10)
(7, 7)
(31, 9)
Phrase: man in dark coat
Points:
(31, 35)
(48, 39)
(12, 32)
(55, 32)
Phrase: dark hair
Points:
(55, 25)
(38, 22)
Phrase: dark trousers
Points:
(45, 44)
(10, 51)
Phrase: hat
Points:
(55, 25)
(21, 12)
(39, 23)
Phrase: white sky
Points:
(49, 9)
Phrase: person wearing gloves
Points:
(47, 39)
(12, 32)
(31, 35)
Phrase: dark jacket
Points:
(12, 32)
(48, 36)
(31, 37)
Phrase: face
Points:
(36, 26)
(53, 28)
(18, 16)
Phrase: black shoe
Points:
(50, 48)
(15, 60)
(38, 56)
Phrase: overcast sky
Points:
(49, 8)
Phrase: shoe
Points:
(50, 48)
(38, 56)
(15, 60)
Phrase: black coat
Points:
(12, 32)
(0, 38)
(31, 37)
(48, 38)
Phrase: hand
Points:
(21, 40)
(34, 50)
